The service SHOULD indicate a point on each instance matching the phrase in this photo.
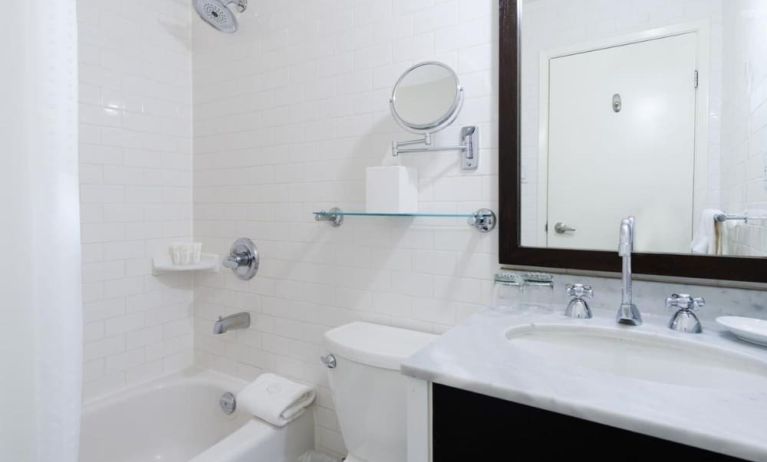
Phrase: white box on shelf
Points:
(391, 189)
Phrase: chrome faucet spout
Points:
(628, 313)
(626, 237)
(235, 321)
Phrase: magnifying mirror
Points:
(426, 98)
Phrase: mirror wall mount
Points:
(426, 99)
(469, 147)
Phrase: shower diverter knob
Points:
(243, 259)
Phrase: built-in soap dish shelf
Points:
(484, 220)
(164, 264)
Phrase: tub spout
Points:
(235, 321)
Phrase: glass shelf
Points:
(483, 219)
(387, 214)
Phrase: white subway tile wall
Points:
(288, 112)
(136, 187)
(744, 126)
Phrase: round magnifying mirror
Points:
(427, 97)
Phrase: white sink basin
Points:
(631, 354)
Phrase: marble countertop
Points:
(476, 356)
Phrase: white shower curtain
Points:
(40, 301)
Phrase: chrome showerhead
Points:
(217, 14)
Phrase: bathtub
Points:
(178, 419)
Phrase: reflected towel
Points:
(719, 233)
(275, 399)
(707, 236)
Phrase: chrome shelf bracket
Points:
(484, 220)
(334, 216)
(469, 147)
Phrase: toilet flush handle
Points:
(329, 361)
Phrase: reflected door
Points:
(622, 142)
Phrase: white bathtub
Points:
(178, 419)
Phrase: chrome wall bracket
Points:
(484, 220)
(334, 216)
(469, 147)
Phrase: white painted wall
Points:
(136, 186)
(288, 113)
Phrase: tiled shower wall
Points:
(288, 112)
(136, 187)
(744, 125)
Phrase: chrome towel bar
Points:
(722, 217)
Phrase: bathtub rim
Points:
(191, 375)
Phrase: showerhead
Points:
(217, 14)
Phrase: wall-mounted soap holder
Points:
(484, 220)
(164, 264)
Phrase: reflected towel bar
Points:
(722, 217)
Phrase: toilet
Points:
(368, 390)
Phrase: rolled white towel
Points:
(275, 399)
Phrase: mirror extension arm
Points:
(469, 147)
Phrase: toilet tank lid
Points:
(375, 345)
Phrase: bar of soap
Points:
(391, 189)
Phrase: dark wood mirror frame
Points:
(511, 251)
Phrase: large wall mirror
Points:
(652, 109)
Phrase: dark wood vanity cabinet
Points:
(469, 427)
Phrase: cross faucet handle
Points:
(580, 290)
(685, 302)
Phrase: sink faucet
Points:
(628, 313)
(234, 321)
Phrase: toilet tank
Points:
(369, 391)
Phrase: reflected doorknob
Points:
(562, 228)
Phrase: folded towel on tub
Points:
(275, 399)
